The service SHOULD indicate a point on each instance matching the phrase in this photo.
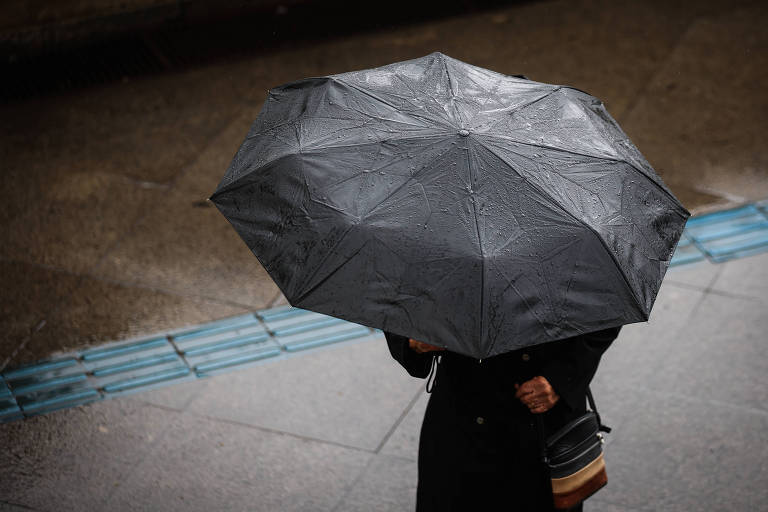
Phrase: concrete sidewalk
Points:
(337, 429)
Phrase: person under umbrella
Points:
(508, 224)
(479, 446)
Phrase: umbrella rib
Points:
(482, 252)
(450, 87)
(580, 222)
(397, 189)
(232, 183)
(518, 108)
(301, 117)
(322, 262)
(395, 107)
(362, 144)
(552, 148)
(674, 202)
(597, 157)
(510, 284)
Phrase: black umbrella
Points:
(452, 204)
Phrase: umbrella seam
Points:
(232, 184)
(526, 105)
(411, 178)
(579, 221)
(482, 255)
(617, 160)
(456, 112)
(312, 288)
(385, 102)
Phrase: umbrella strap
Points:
(432, 373)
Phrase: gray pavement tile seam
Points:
(720, 356)
(7, 506)
(276, 300)
(236, 468)
(598, 504)
(707, 291)
(270, 430)
(72, 459)
(282, 432)
(404, 443)
(714, 291)
(354, 483)
(127, 283)
(693, 400)
(387, 484)
(115, 245)
(327, 396)
(636, 100)
(211, 138)
(39, 326)
(399, 420)
(678, 457)
(35, 328)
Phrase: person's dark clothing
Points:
(479, 444)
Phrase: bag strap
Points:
(591, 400)
(542, 441)
(432, 373)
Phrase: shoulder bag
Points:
(574, 457)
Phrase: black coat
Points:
(479, 444)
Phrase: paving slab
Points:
(596, 504)
(201, 177)
(679, 453)
(235, 467)
(699, 275)
(176, 396)
(404, 441)
(388, 484)
(326, 395)
(747, 276)
(720, 356)
(69, 220)
(145, 128)
(634, 357)
(699, 120)
(99, 311)
(75, 458)
(9, 507)
(37, 291)
(189, 247)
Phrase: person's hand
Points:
(537, 394)
(421, 347)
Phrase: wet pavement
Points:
(106, 236)
(337, 428)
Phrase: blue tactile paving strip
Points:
(9, 409)
(724, 235)
(192, 352)
(198, 351)
(687, 252)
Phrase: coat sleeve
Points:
(574, 363)
(417, 365)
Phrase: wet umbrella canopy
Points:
(452, 204)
